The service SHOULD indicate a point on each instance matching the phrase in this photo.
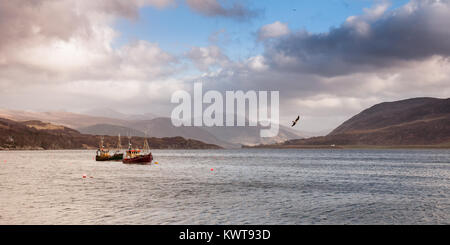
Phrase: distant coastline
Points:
(300, 147)
(93, 149)
(89, 142)
(340, 147)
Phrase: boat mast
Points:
(101, 142)
(129, 142)
(119, 144)
(146, 146)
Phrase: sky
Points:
(330, 59)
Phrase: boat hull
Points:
(143, 159)
(115, 157)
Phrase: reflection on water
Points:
(249, 186)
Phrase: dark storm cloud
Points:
(378, 39)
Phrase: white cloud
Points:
(257, 63)
(362, 23)
(72, 58)
(205, 57)
(34, 43)
(276, 29)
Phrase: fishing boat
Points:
(136, 156)
(103, 154)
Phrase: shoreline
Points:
(94, 149)
(281, 147)
(10, 150)
(344, 147)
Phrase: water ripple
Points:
(249, 186)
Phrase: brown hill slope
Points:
(39, 135)
(400, 114)
(418, 121)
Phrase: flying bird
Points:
(295, 121)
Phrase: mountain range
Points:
(104, 121)
(416, 121)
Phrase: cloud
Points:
(377, 39)
(23, 19)
(276, 29)
(79, 42)
(216, 8)
(156, 3)
(206, 57)
(143, 60)
(64, 49)
(257, 63)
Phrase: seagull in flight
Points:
(295, 121)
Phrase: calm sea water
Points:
(251, 186)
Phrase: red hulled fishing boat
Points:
(135, 156)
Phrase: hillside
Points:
(110, 122)
(417, 121)
(38, 135)
(397, 114)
